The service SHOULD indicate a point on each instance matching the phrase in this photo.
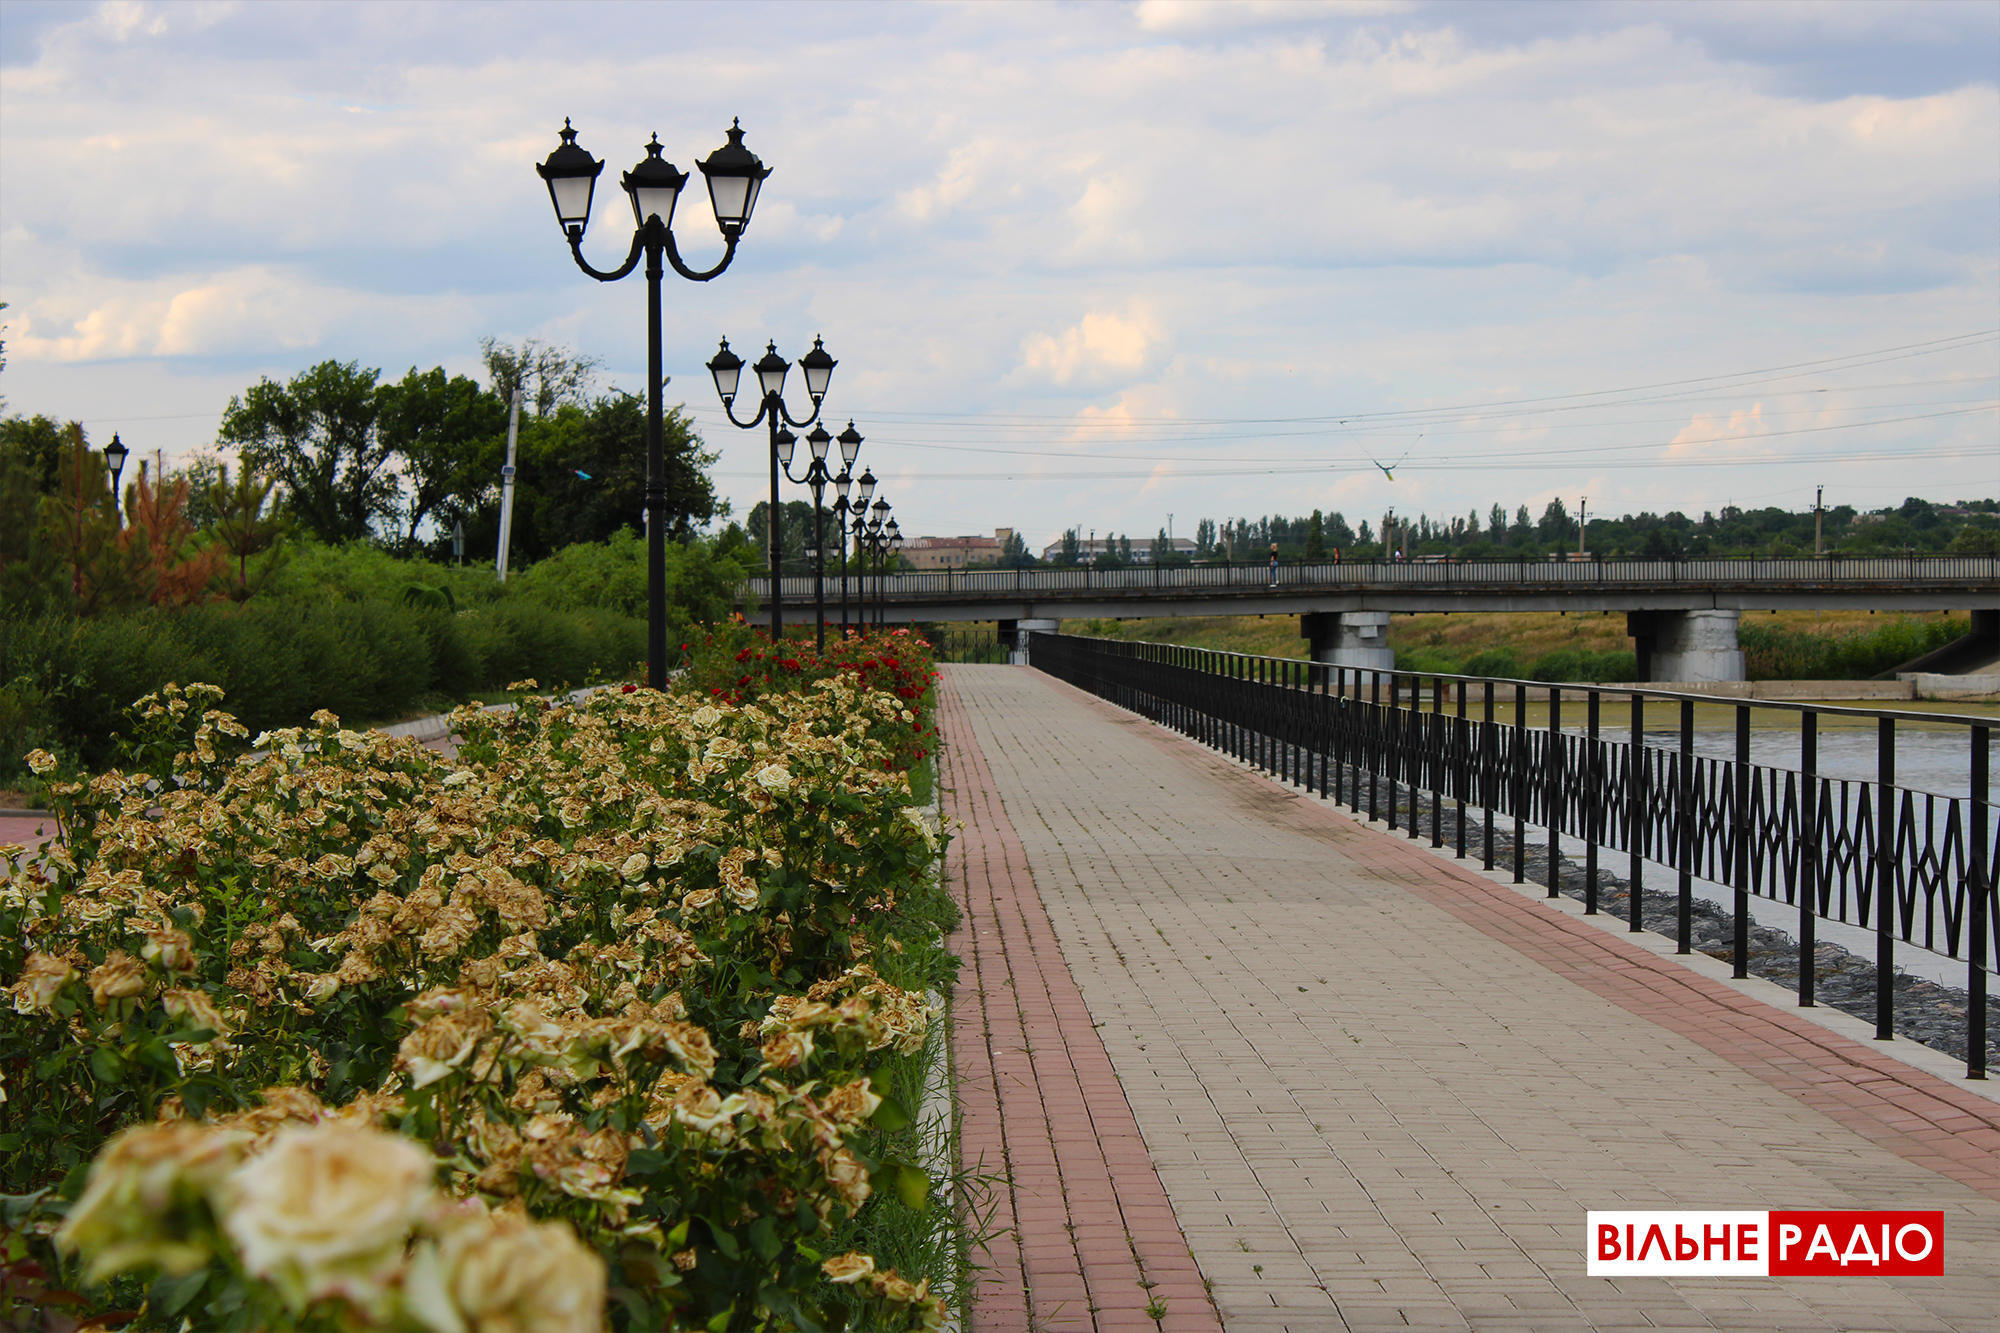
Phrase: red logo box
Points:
(1849, 1244)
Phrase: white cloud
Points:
(1034, 226)
(1102, 343)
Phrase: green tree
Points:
(1204, 539)
(1554, 525)
(1014, 553)
(1072, 549)
(78, 526)
(247, 529)
(316, 436)
(1316, 536)
(449, 438)
(547, 376)
(36, 444)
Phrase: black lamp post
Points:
(859, 508)
(734, 177)
(817, 478)
(115, 454)
(727, 369)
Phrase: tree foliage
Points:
(316, 434)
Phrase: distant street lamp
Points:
(114, 455)
(734, 176)
(817, 478)
(879, 533)
(841, 509)
(892, 543)
(727, 369)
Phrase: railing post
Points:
(1517, 786)
(1411, 732)
(1809, 858)
(1462, 757)
(1343, 738)
(1553, 792)
(1489, 745)
(1684, 921)
(1297, 731)
(1885, 879)
(1638, 819)
(1593, 800)
(1393, 759)
(1374, 738)
(1980, 886)
(1440, 754)
(1739, 944)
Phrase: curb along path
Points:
(1380, 1090)
(1084, 1236)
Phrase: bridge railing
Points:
(1911, 867)
(1896, 571)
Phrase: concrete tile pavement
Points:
(1381, 1091)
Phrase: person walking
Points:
(1274, 564)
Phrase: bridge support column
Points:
(1014, 633)
(1349, 638)
(1686, 645)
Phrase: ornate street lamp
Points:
(858, 507)
(727, 370)
(734, 178)
(114, 455)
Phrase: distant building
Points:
(955, 552)
(1088, 549)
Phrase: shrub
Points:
(615, 978)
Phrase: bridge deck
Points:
(1225, 1040)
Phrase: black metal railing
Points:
(1900, 573)
(983, 645)
(1910, 866)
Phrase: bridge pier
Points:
(1014, 634)
(1686, 645)
(1349, 638)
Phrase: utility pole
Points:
(507, 485)
(1583, 526)
(1819, 518)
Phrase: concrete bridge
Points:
(1681, 614)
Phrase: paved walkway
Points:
(1373, 1088)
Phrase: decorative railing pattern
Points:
(1849, 573)
(1912, 867)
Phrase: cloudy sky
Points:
(1092, 264)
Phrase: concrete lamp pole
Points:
(734, 176)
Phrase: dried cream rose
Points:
(774, 777)
(139, 1180)
(849, 1267)
(171, 949)
(41, 762)
(635, 866)
(41, 977)
(326, 1210)
(116, 978)
(197, 1010)
(505, 1274)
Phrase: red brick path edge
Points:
(1905, 1110)
(1082, 1235)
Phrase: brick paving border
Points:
(1083, 1235)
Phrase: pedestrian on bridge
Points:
(1274, 564)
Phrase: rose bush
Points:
(595, 1020)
